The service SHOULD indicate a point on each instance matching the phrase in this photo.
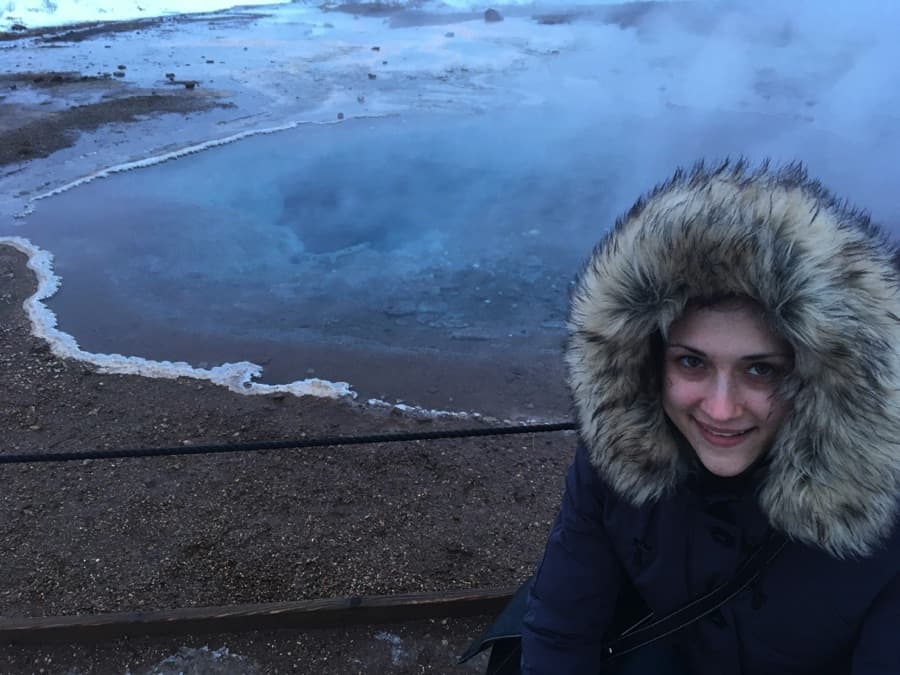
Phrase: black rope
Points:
(324, 441)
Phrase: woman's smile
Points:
(723, 438)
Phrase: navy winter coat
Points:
(809, 613)
(640, 511)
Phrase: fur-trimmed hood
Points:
(827, 279)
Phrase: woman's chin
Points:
(725, 467)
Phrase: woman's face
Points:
(721, 371)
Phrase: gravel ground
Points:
(119, 535)
(415, 647)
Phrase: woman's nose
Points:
(721, 401)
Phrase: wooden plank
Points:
(301, 614)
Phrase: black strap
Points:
(649, 630)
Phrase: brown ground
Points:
(105, 536)
(28, 132)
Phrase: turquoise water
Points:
(455, 236)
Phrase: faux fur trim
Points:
(828, 280)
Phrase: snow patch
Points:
(44, 13)
(48, 13)
(205, 660)
(398, 652)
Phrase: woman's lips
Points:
(722, 438)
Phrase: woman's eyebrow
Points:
(686, 347)
(767, 355)
(748, 357)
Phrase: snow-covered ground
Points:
(44, 13)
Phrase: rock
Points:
(340, 115)
(188, 84)
(372, 76)
(492, 15)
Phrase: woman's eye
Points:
(690, 362)
(762, 370)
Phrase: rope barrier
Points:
(298, 614)
(323, 441)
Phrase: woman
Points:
(734, 357)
